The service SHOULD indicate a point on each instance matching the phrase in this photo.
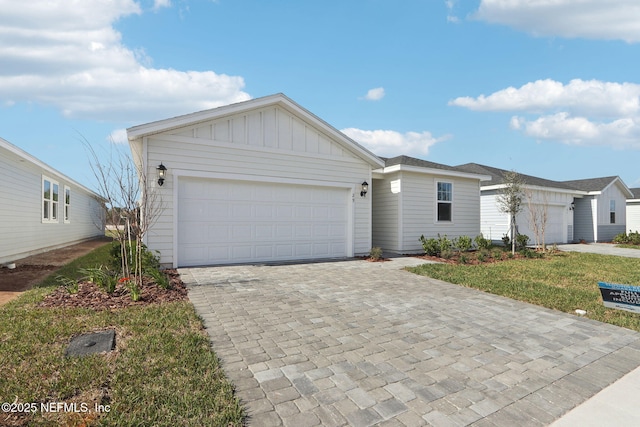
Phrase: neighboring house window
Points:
(612, 211)
(67, 202)
(445, 197)
(50, 200)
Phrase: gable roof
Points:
(412, 164)
(635, 192)
(597, 184)
(160, 126)
(497, 177)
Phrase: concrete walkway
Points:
(359, 343)
(601, 248)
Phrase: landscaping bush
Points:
(481, 242)
(150, 261)
(375, 253)
(429, 246)
(464, 243)
(522, 240)
(506, 241)
(633, 238)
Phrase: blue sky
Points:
(546, 88)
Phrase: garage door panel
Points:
(230, 221)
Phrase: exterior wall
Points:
(386, 214)
(22, 230)
(560, 219)
(606, 230)
(270, 145)
(584, 220)
(419, 205)
(633, 216)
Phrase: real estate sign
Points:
(622, 297)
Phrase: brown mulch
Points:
(91, 296)
(471, 258)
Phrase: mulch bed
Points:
(91, 296)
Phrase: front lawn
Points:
(562, 281)
(162, 372)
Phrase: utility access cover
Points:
(95, 342)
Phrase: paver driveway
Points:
(358, 343)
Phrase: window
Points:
(67, 202)
(445, 197)
(50, 200)
(612, 211)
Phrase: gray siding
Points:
(22, 230)
(606, 233)
(583, 226)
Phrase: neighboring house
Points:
(42, 209)
(557, 197)
(413, 197)
(261, 180)
(601, 213)
(633, 211)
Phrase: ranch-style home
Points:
(590, 210)
(43, 208)
(633, 211)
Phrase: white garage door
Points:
(221, 221)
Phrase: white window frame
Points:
(612, 210)
(66, 204)
(438, 201)
(48, 215)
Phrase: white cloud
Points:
(591, 97)
(68, 55)
(375, 94)
(389, 143)
(592, 19)
(159, 4)
(118, 136)
(581, 112)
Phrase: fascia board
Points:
(431, 171)
(576, 193)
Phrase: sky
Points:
(549, 88)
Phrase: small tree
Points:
(130, 202)
(538, 214)
(510, 202)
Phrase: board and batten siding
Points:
(584, 219)
(606, 230)
(22, 230)
(268, 145)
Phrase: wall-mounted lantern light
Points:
(572, 206)
(365, 189)
(162, 169)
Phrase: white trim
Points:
(50, 219)
(435, 214)
(185, 173)
(66, 218)
(576, 193)
(431, 171)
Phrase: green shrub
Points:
(633, 238)
(481, 256)
(621, 239)
(446, 254)
(375, 253)
(497, 253)
(430, 246)
(464, 243)
(444, 243)
(522, 240)
(463, 259)
(70, 285)
(481, 242)
(160, 278)
(506, 241)
(103, 278)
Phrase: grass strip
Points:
(563, 281)
(162, 373)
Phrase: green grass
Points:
(565, 282)
(628, 246)
(162, 373)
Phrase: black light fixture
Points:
(161, 171)
(365, 189)
(572, 207)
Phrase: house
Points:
(633, 211)
(556, 197)
(43, 209)
(601, 213)
(413, 197)
(260, 180)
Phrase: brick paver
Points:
(358, 343)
